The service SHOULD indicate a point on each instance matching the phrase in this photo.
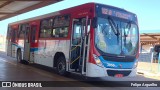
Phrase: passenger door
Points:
(26, 53)
(79, 44)
(9, 43)
(29, 39)
(33, 41)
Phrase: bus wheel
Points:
(61, 66)
(19, 56)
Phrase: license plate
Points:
(118, 75)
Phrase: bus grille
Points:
(114, 72)
(120, 59)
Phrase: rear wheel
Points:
(19, 56)
(61, 66)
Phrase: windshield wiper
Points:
(114, 28)
(125, 35)
(128, 26)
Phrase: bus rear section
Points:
(92, 40)
(22, 40)
(11, 40)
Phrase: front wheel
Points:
(61, 66)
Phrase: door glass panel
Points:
(13, 35)
(33, 33)
(77, 32)
(27, 35)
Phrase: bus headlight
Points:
(98, 61)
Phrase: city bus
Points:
(92, 39)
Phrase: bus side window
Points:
(60, 32)
(63, 32)
(77, 32)
(55, 32)
(46, 28)
(60, 26)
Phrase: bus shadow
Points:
(79, 80)
(74, 76)
(83, 81)
(45, 68)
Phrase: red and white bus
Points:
(92, 39)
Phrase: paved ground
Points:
(10, 70)
(148, 66)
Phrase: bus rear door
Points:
(12, 41)
(26, 52)
(33, 41)
(9, 43)
(29, 42)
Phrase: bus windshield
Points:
(116, 36)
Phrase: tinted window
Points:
(60, 32)
(61, 21)
(57, 27)
(46, 28)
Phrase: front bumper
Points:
(94, 70)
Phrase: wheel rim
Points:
(61, 67)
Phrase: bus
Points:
(92, 39)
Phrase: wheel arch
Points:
(18, 49)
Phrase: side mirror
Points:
(94, 22)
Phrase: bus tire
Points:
(19, 56)
(61, 66)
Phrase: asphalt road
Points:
(10, 70)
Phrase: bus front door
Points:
(78, 51)
(76, 41)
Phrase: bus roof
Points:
(67, 11)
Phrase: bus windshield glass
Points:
(116, 36)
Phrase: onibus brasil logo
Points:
(20, 84)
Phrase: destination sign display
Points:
(116, 12)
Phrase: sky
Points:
(147, 11)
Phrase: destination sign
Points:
(105, 10)
(116, 13)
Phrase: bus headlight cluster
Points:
(97, 60)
